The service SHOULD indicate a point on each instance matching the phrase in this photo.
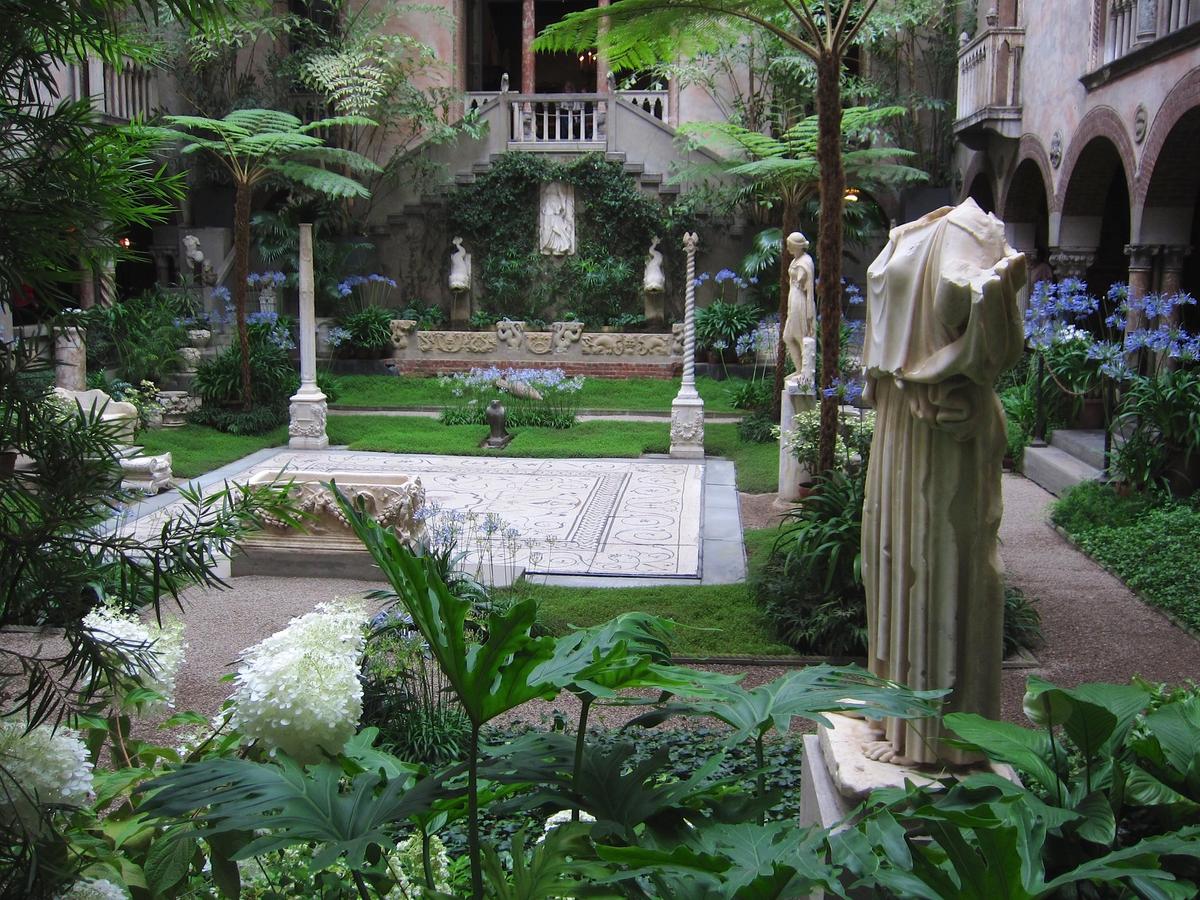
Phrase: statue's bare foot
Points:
(883, 751)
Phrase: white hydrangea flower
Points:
(405, 866)
(95, 889)
(299, 690)
(42, 767)
(166, 644)
(563, 817)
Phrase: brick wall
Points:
(608, 369)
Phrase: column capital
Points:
(1071, 262)
(1174, 255)
(1141, 256)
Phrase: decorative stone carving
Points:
(510, 333)
(802, 310)
(149, 474)
(1140, 120)
(199, 337)
(603, 344)
(677, 339)
(401, 329)
(687, 426)
(266, 299)
(539, 342)
(1056, 149)
(456, 341)
(565, 334)
(460, 267)
(306, 419)
(1071, 262)
(654, 281)
(556, 219)
(190, 357)
(175, 407)
(94, 401)
(393, 500)
(652, 344)
(626, 344)
(942, 323)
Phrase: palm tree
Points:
(639, 33)
(255, 145)
(784, 169)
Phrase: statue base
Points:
(837, 776)
(490, 443)
(687, 425)
(795, 398)
(306, 421)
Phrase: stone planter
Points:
(191, 359)
(199, 337)
(175, 407)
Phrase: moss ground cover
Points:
(1151, 543)
(633, 394)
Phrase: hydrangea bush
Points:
(299, 690)
(543, 398)
(152, 657)
(40, 768)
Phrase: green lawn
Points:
(196, 449)
(1151, 543)
(633, 394)
(711, 620)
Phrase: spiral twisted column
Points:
(687, 410)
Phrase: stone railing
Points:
(119, 95)
(557, 121)
(1134, 23)
(476, 99)
(989, 77)
(656, 103)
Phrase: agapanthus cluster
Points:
(266, 279)
(40, 768)
(337, 336)
(1053, 306)
(1110, 360)
(94, 889)
(149, 656)
(854, 294)
(373, 289)
(274, 328)
(845, 390)
(299, 690)
(541, 380)
(747, 343)
(220, 292)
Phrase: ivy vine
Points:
(614, 223)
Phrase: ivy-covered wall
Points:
(601, 283)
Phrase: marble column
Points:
(87, 287)
(528, 33)
(687, 410)
(1141, 275)
(306, 425)
(1172, 273)
(601, 59)
(70, 359)
(108, 283)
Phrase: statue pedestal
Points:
(655, 307)
(836, 775)
(460, 309)
(687, 426)
(306, 420)
(793, 400)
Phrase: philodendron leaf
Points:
(1026, 749)
(489, 678)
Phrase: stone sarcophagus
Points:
(327, 547)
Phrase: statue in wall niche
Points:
(556, 220)
(942, 323)
(802, 308)
(202, 269)
(654, 281)
(460, 267)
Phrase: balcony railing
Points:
(549, 121)
(118, 94)
(989, 80)
(1134, 23)
(656, 103)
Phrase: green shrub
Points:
(427, 317)
(1161, 413)
(139, 337)
(720, 324)
(758, 428)
(234, 420)
(370, 328)
(1022, 622)
(754, 395)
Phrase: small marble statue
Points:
(498, 436)
(556, 221)
(802, 309)
(942, 323)
(654, 281)
(202, 269)
(460, 267)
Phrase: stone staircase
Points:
(1072, 456)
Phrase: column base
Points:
(306, 421)
(687, 427)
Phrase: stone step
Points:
(1087, 446)
(1056, 470)
(650, 179)
(634, 168)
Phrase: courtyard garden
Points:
(410, 489)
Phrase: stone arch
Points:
(1030, 152)
(982, 190)
(1168, 182)
(1100, 123)
(1027, 211)
(978, 164)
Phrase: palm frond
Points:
(316, 179)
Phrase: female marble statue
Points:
(460, 267)
(556, 222)
(802, 309)
(654, 281)
(942, 323)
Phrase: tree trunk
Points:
(241, 268)
(833, 190)
(787, 226)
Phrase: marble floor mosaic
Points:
(558, 517)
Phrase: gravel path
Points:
(1096, 629)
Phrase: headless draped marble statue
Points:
(460, 267)
(802, 309)
(556, 219)
(942, 323)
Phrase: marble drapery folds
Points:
(942, 323)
